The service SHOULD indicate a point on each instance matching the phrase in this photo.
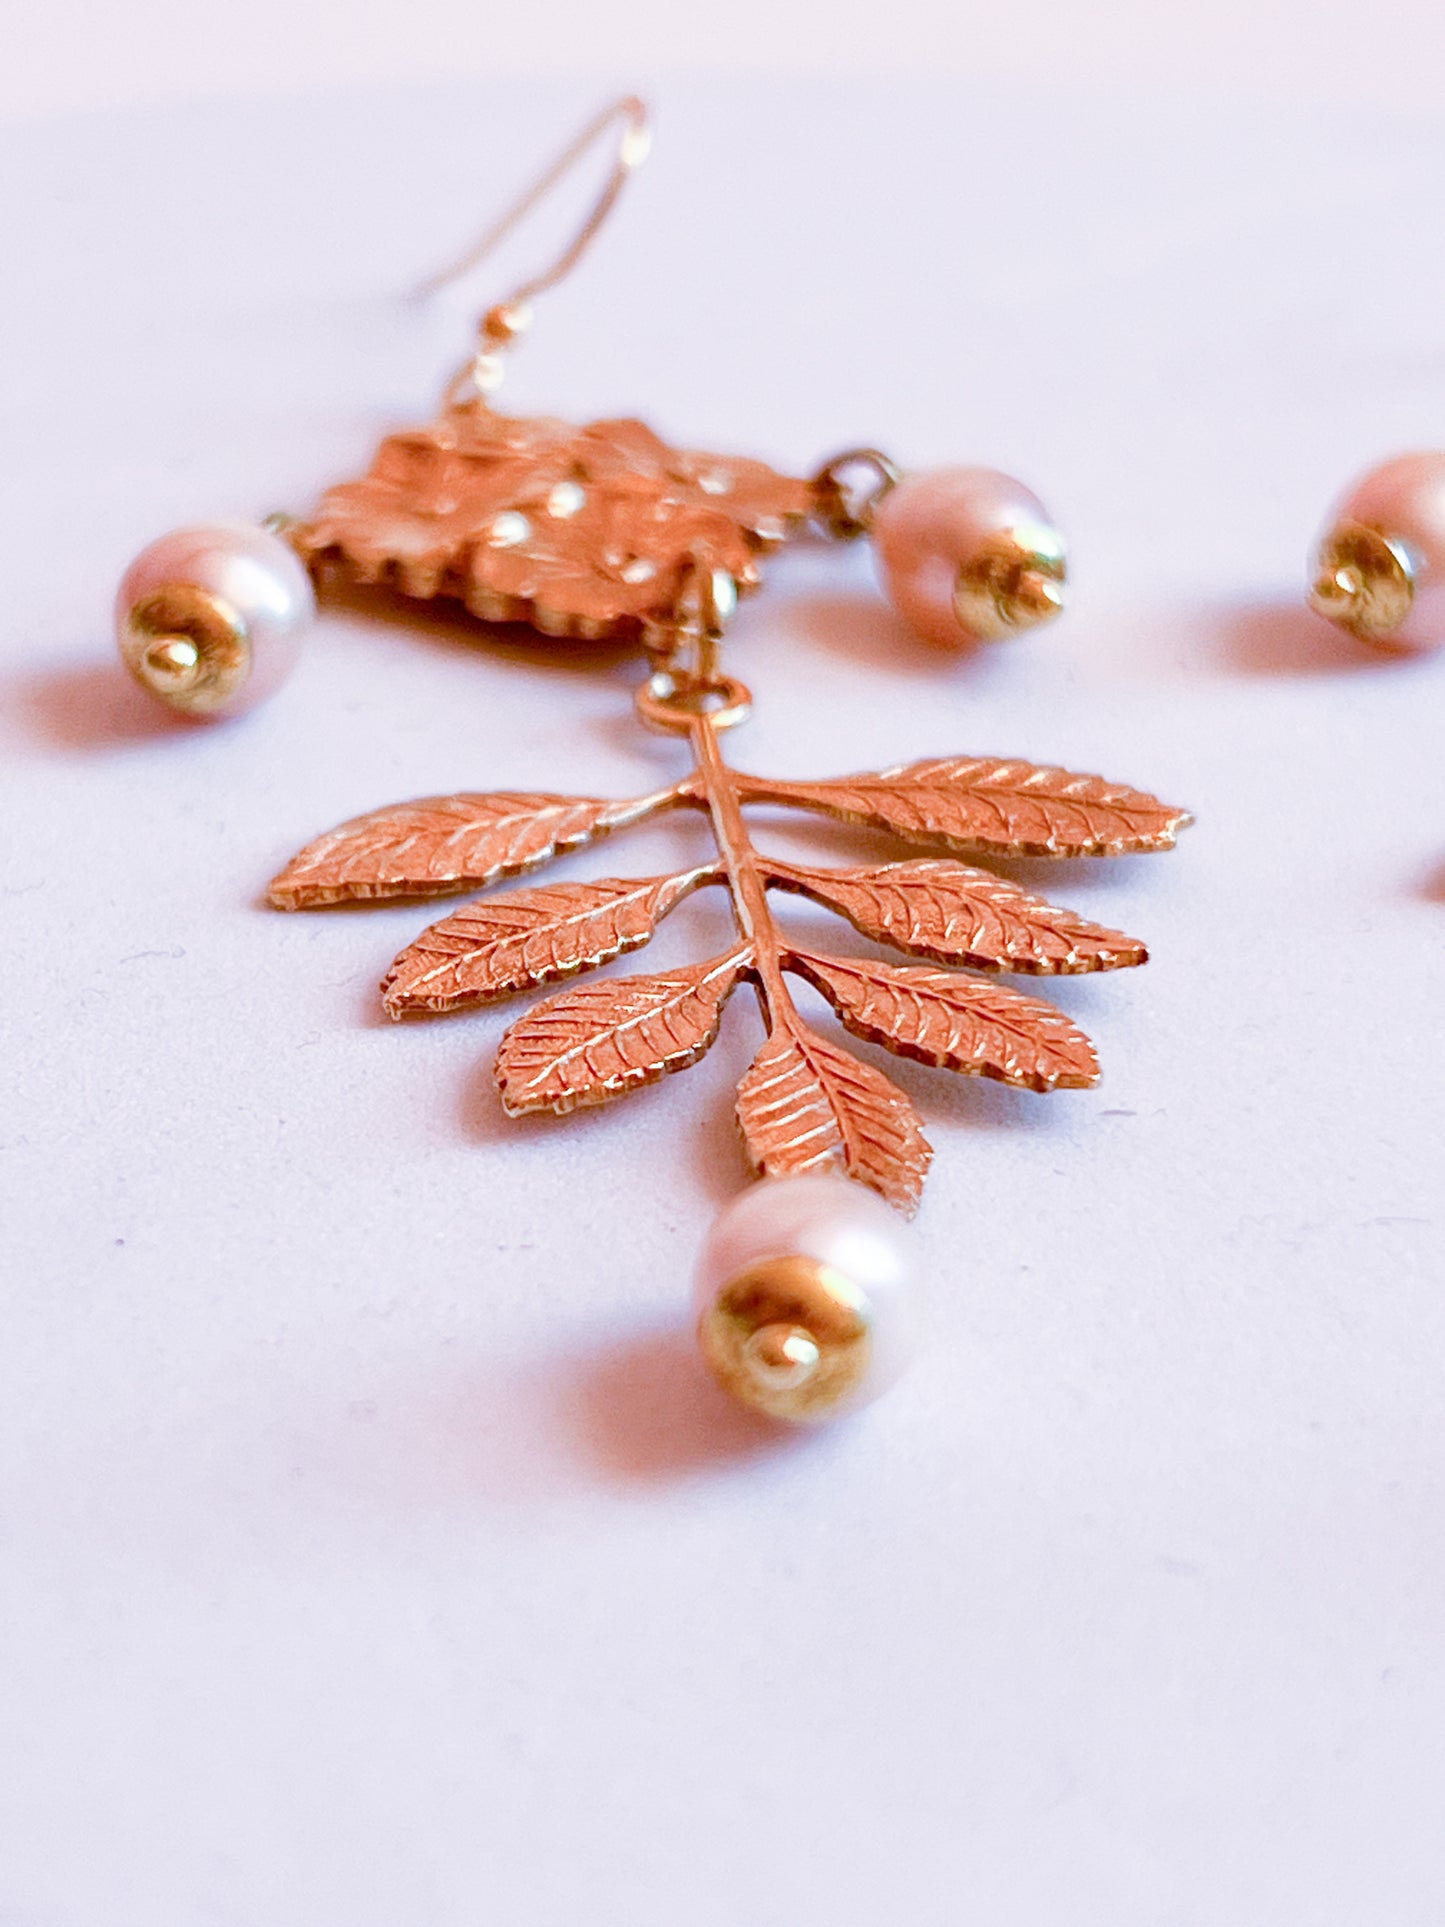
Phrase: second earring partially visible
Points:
(1380, 565)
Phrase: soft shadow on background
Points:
(1289, 639)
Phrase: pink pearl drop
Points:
(1405, 500)
(252, 572)
(931, 525)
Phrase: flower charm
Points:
(586, 532)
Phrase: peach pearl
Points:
(937, 529)
(238, 600)
(1404, 500)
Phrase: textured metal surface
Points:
(806, 1104)
(492, 950)
(983, 803)
(958, 1022)
(602, 1039)
(934, 907)
(441, 844)
(588, 532)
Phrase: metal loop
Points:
(674, 703)
(686, 646)
(707, 604)
(845, 508)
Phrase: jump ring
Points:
(673, 704)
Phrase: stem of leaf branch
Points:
(745, 876)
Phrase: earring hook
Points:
(504, 322)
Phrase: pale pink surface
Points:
(371, 1553)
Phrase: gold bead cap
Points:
(1366, 582)
(790, 1337)
(189, 647)
(1014, 582)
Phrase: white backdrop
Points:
(74, 53)
(369, 1552)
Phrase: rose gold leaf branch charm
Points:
(603, 1039)
(806, 1105)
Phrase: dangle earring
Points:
(1380, 566)
(803, 1285)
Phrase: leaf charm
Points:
(956, 1022)
(954, 914)
(974, 802)
(601, 1039)
(805, 1105)
(505, 944)
(442, 844)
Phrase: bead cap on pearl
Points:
(187, 646)
(804, 1294)
(1014, 582)
(1366, 582)
(1380, 567)
(789, 1336)
(969, 555)
(209, 619)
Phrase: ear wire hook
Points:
(501, 324)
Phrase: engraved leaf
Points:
(976, 802)
(442, 844)
(936, 908)
(957, 1022)
(504, 944)
(806, 1105)
(601, 1039)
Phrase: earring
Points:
(210, 619)
(1380, 566)
(803, 1286)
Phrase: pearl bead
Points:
(968, 555)
(1381, 563)
(210, 619)
(804, 1297)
